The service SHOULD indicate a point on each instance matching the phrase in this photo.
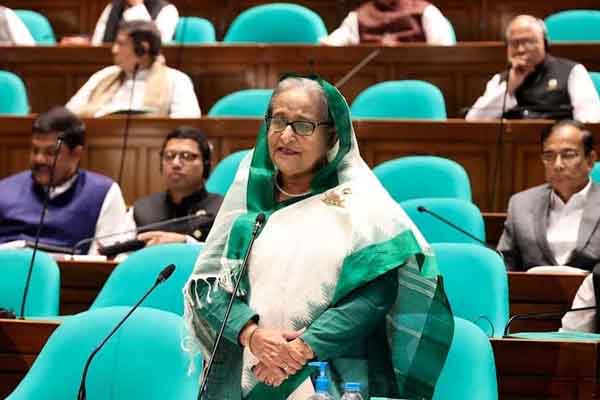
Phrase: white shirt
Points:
(438, 30)
(583, 321)
(563, 223)
(582, 93)
(166, 21)
(111, 214)
(183, 101)
(18, 30)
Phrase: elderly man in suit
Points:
(557, 223)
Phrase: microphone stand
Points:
(162, 276)
(357, 68)
(260, 220)
(127, 123)
(543, 315)
(38, 233)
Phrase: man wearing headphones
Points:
(139, 81)
(185, 165)
(81, 204)
(539, 85)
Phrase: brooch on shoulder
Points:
(336, 197)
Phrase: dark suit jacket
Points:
(524, 242)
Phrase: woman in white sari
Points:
(335, 257)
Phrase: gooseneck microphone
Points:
(162, 276)
(423, 209)
(258, 223)
(357, 68)
(127, 123)
(543, 315)
(499, 137)
(40, 226)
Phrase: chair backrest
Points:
(143, 360)
(243, 103)
(43, 295)
(418, 177)
(595, 173)
(461, 213)
(14, 99)
(130, 280)
(38, 25)
(596, 79)
(476, 284)
(574, 26)
(194, 30)
(222, 176)
(277, 23)
(470, 370)
(409, 99)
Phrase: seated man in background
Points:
(163, 13)
(157, 90)
(537, 85)
(557, 223)
(82, 204)
(185, 165)
(13, 30)
(390, 22)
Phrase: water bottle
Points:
(351, 391)
(321, 383)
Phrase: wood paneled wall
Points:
(473, 145)
(53, 75)
(472, 19)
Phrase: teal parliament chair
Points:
(143, 360)
(461, 213)
(38, 25)
(13, 100)
(476, 283)
(423, 176)
(408, 99)
(223, 174)
(574, 26)
(277, 23)
(194, 30)
(243, 103)
(132, 278)
(595, 173)
(43, 295)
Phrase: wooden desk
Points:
(532, 369)
(20, 343)
(471, 144)
(54, 74)
(494, 226)
(530, 293)
(80, 283)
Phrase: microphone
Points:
(162, 276)
(147, 227)
(357, 68)
(59, 142)
(423, 209)
(543, 315)
(258, 223)
(127, 123)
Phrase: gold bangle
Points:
(250, 338)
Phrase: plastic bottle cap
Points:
(352, 386)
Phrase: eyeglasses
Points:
(302, 128)
(185, 156)
(528, 43)
(567, 156)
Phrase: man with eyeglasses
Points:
(539, 85)
(185, 165)
(557, 223)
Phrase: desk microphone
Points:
(543, 315)
(423, 209)
(59, 142)
(127, 123)
(162, 276)
(357, 68)
(258, 223)
(143, 228)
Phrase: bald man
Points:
(539, 85)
